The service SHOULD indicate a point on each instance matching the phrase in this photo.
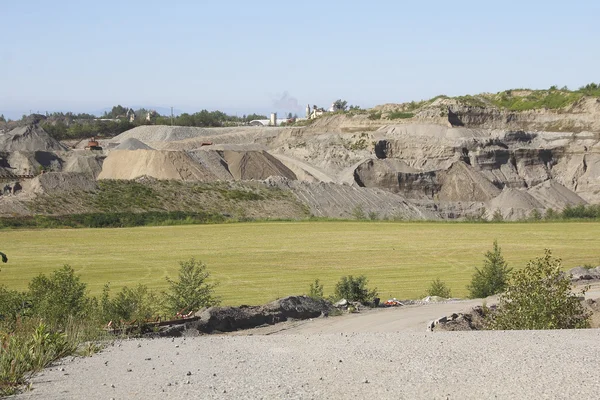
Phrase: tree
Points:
(540, 297)
(354, 289)
(340, 105)
(493, 277)
(2, 119)
(316, 290)
(191, 292)
(439, 288)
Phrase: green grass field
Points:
(258, 262)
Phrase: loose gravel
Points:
(403, 365)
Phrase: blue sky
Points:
(245, 56)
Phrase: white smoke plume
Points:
(287, 103)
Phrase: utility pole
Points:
(171, 115)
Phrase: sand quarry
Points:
(423, 168)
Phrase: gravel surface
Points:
(404, 365)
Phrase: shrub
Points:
(57, 298)
(359, 213)
(493, 277)
(29, 350)
(373, 216)
(439, 288)
(354, 289)
(400, 115)
(497, 216)
(129, 305)
(191, 292)
(540, 297)
(316, 290)
(12, 305)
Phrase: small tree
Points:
(540, 297)
(354, 289)
(340, 105)
(59, 296)
(191, 292)
(316, 290)
(439, 288)
(493, 277)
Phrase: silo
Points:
(273, 119)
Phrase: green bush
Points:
(59, 297)
(129, 306)
(492, 278)
(359, 213)
(12, 305)
(439, 288)
(540, 297)
(191, 292)
(400, 115)
(315, 290)
(354, 289)
(29, 350)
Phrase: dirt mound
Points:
(177, 165)
(161, 133)
(53, 182)
(133, 144)
(212, 161)
(229, 319)
(552, 194)
(259, 165)
(513, 204)
(84, 163)
(462, 183)
(29, 138)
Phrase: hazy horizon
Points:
(268, 56)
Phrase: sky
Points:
(277, 56)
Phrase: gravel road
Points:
(384, 354)
(405, 365)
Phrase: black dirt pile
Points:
(230, 319)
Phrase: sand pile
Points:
(552, 194)
(513, 204)
(29, 138)
(84, 163)
(462, 183)
(52, 182)
(161, 133)
(212, 161)
(246, 165)
(133, 144)
(176, 165)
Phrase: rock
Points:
(341, 303)
(584, 274)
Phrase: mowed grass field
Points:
(258, 262)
